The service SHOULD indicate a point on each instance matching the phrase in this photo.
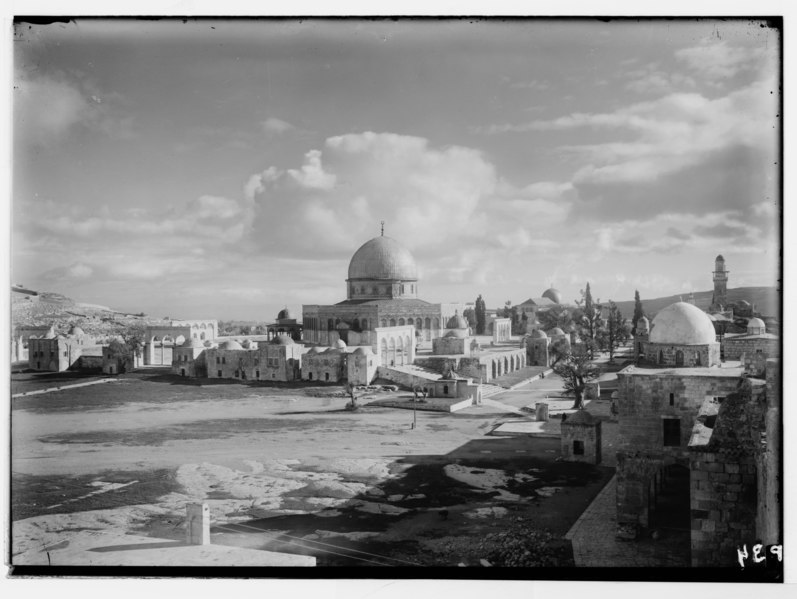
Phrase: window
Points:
(578, 447)
(257, 374)
(310, 375)
(661, 357)
(65, 354)
(219, 374)
(672, 432)
(672, 399)
(445, 389)
(236, 374)
(218, 360)
(326, 376)
(759, 351)
(224, 360)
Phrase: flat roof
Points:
(728, 369)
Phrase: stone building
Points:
(537, 348)
(581, 438)
(189, 359)
(362, 366)
(456, 339)
(681, 335)
(161, 340)
(755, 341)
(328, 365)
(277, 360)
(22, 336)
(381, 291)
(56, 353)
(693, 452)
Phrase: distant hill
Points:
(30, 307)
(766, 300)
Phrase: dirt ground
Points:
(287, 468)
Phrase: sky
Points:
(228, 168)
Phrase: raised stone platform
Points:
(531, 428)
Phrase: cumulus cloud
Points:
(337, 197)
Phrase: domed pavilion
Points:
(682, 335)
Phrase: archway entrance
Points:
(670, 507)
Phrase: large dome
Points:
(383, 258)
(682, 324)
(553, 294)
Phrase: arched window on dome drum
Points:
(402, 289)
(410, 322)
(401, 322)
(355, 325)
(392, 322)
(697, 359)
(661, 357)
(428, 323)
(679, 358)
(384, 322)
(364, 324)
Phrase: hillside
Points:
(766, 300)
(30, 308)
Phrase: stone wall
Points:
(403, 379)
(643, 401)
(754, 364)
(662, 354)
(589, 435)
(723, 504)
(89, 363)
(327, 366)
(362, 368)
(770, 466)
(734, 347)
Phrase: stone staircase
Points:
(488, 389)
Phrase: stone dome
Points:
(284, 314)
(457, 322)
(643, 324)
(363, 350)
(682, 324)
(554, 295)
(230, 344)
(314, 350)
(339, 344)
(193, 343)
(282, 340)
(76, 331)
(756, 326)
(719, 259)
(383, 258)
(456, 334)
(538, 334)
(555, 331)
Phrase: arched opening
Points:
(364, 324)
(330, 324)
(400, 352)
(410, 322)
(661, 357)
(407, 347)
(401, 322)
(202, 336)
(698, 361)
(310, 376)
(506, 366)
(392, 353)
(392, 322)
(679, 358)
(384, 352)
(182, 371)
(326, 376)
(384, 322)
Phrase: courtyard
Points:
(288, 468)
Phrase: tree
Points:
(118, 350)
(588, 319)
(133, 338)
(576, 370)
(555, 316)
(638, 311)
(469, 314)
(481, 315)
(615, 333)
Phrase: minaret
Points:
(720, 298)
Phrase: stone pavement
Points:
(595, 545)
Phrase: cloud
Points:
(336, 198)
(653, 80)
(273, 125)
(718, 60)
(533, 84)
(48, 107)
